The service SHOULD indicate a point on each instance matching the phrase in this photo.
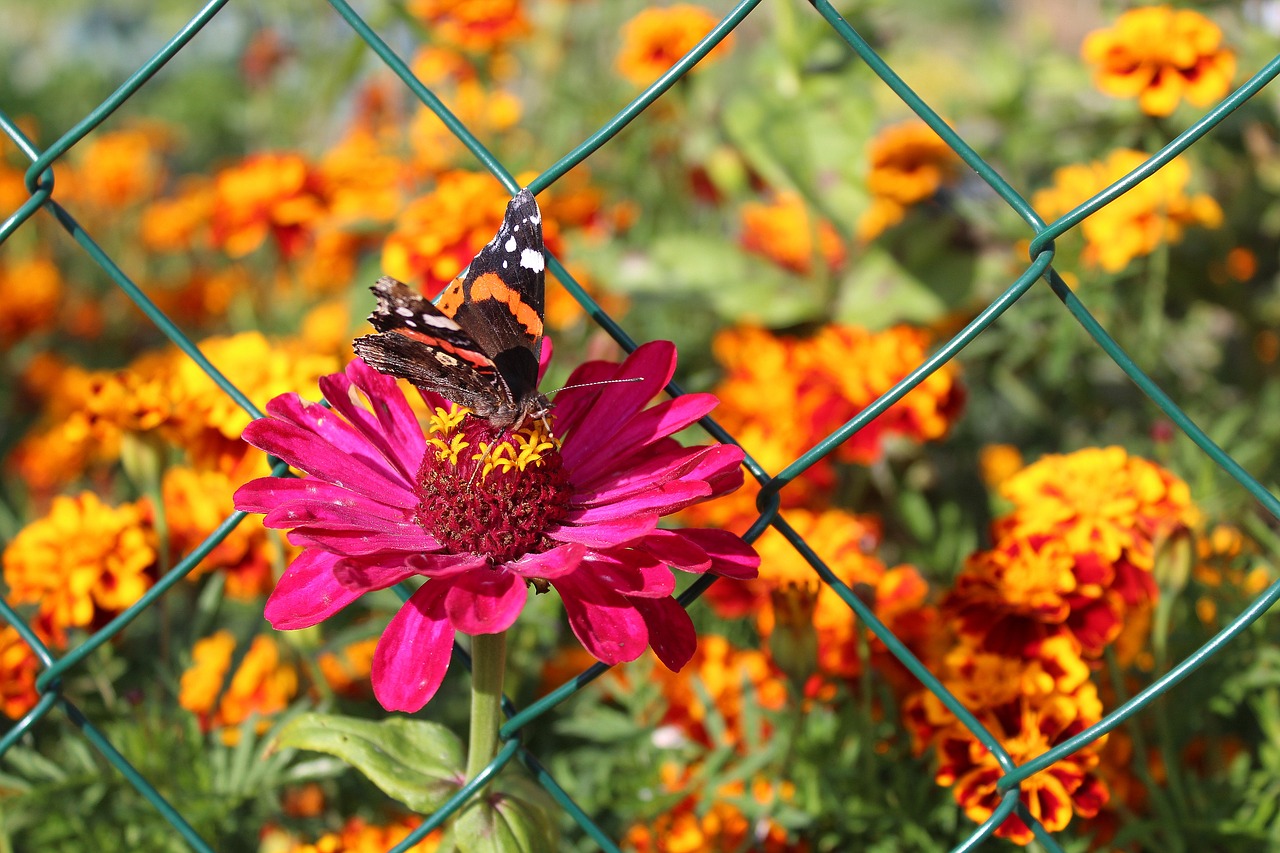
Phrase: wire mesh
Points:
(40, 185)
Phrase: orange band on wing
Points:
(476, 359)
(490, 286)
(451, 299)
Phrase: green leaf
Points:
(414, 761)
(505, 822)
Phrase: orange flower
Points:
(81, 564)
(479, 25)
(276, 195)
(31, 295)
(1156, 211)
(783, 232)
(714, 824)
(179, 223)
(438, 234)
(347, 671)
(119, 168)
(908, 164)
(19, 667)
(719, 670)
(657, 38)
(998, 462)
(364, 182)
(261, 686)
(1099, 500)
(1161, 56)
(359, 836)
(195, 503)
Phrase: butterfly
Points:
(479, 346)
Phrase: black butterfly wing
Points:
(418, 342)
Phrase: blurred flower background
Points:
(1024, 521)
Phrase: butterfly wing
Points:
(418, 342)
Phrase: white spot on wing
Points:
(404, 312)
(531, 259)
(511, 244)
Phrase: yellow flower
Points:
(657, 38)
(364, 181)
(1135, 224)
(784, 232)
(261, 686)
(30, 297)
(908, 163)
(347, 671)
(998, 462)
(479, 25)
(81, 564)
(1161, 56)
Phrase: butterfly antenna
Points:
(593, 384)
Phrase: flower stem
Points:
(488, 664)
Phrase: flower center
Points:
(486, 494)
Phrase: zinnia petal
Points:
(311, 590)
(605, 622)
(670, 630)
(413, 653)
(549, 564)
(730, 556)
(653, 363)
(485, 601)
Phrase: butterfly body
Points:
(479, 346)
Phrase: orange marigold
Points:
(438, 234)
(19, 667)
(261, 686)
(908, 163)
(657, 38)
(359, 836)
(717, 826)
(179, 223)
(195, 503)
(30, 297)
(81, 564)
(1161, 56)
(346, 671)
(479, 25)
(276, 195)
(119, 168)
(784, 232)
(1156, 211)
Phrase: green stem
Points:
(488, 664)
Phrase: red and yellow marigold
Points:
(659, 37)
(31, 298)
(276, 195)
(475, 25)
(1161, 56)
(19, 667)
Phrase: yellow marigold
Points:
(81, 564)
(1098, 500)
(179, 223)
(998, 462)
(488, 110)
(276, 195)
(119, 168)
(784, 232)
(479, 25)
(30, 297)
(1156, 211)
(1161, 56)
(19, 667)
(658, 38)
(438, 234)
(347, 671)
(327, 328)
(719, 670)
(261, 686)
(195, 503)
(908, 163)
(359, 836)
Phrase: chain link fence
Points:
(40, 184)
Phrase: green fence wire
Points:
(40, 184)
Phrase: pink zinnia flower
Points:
(386, 500)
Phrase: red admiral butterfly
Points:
(479, 346)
